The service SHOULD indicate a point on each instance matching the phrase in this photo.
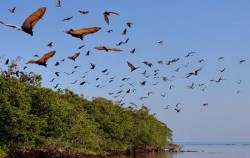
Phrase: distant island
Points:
(39, 122)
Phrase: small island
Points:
(39, 122)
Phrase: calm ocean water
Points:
(203, 150)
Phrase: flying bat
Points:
(161, 42)
(7, 62)
(66, 19)
(58, 3)
(43, 60)
(74, 56)
(50, 44)
(83, 32)
(132, 51)
(83, 12)
(132, 67)
(108, 48)
(109, 31)
(81, 47)
(12, 10)
(124, 32)
(107, 14)
(129, 24)
(30, 22)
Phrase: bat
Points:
(132, 67)
(81, 47)
(129, 24)
(161, 42)
(124, 32)
(58, 3)
(147, 63)
(7, 62)
(43, 60)
(50, 44)
(83, 32)
(109, 31)
(132, 51)
(66, 19)
(29, 22)
(83, 12)
(88, 52)
(12, 10)
(107, 14)
(74, 56)
(108, 48)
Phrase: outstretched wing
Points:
(108, 48)
(106, 14)
(47, 56)
(31, 21)
(74, 56)
(82, 32)
(131, 66)
(11, 25)
(114, 49)
(114, 13)
(106, 18)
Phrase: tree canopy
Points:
(35, 117)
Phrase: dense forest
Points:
(33, 117)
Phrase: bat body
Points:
(50, 44)
(108, 48)
(43, 60)
(83, 32)
(129, 24)
(107, 14)
(58, 3)
(66, 19)
(31, 21)
(132, 67)
(83, 12)
(12, 10)
(74, 56)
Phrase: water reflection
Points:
(148, 155)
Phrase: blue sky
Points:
(212, 29)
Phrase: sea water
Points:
(203, 150)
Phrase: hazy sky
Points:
(211, 28)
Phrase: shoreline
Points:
(59, 153)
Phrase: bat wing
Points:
(114, 49)
(31, 62)
(106, 18)
(114, 13)
(131, 66)
(31, 21)
(11, 25)
(67, 18)
(145, 62)
(76, 55)
(108, 48)
(46, 56)
(100, 48)
(58, 3)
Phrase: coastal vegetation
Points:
(34, 117)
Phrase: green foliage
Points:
(35, 117)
